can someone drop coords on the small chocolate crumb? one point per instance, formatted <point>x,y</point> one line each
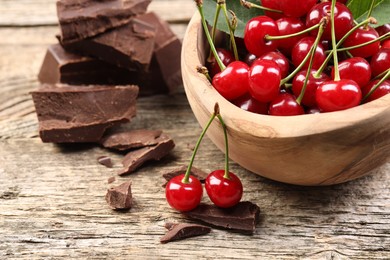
<point>241,218</point>
<point>111,179</point>
<point>105,160</point>
<point>127,140</point>
<point>179,231</point>
<point>197,173</point>
<point>120,197</point>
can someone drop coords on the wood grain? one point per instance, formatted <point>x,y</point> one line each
<point>52,202</point>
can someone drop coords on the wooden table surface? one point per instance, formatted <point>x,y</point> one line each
<point>52,197</point>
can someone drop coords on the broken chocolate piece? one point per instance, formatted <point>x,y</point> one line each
<point>197,173</point>
<point>134,159</point>
<point>105,160</point>
<point>123,141</point>
<point>181,231</point>
<point>80,19</point>
<point>69,114</point>
<point>241,218</point>
<point>129,46</point>
<point>111,179</point>
<point>120,197</point>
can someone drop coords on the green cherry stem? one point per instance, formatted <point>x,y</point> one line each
<point>385,36</point>
<point>370,11</point>
<point>334,48</point>
<point>281,37</point>
<point>382,74</point>
<point>186,178</point>
<point>231,29</point>
<point>386,76</point>
<point>214,28</point>
<point>226,175</point>
<point>199,4</point>
<point>203,70</point>
<point>249,5</point>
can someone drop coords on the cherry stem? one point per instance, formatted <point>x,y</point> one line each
<point>312,53</point>
<point>206,31</point>
<point>386,76</point>
<point>226,175</point>
<point>203,70</point>
<point>249,5</point>
<point>231,30</point>
<point>385,36</point>
<point>382,74</point>
<point>186,178</point>
<point>370,11</point>
<point>334,48</point>
<point>213,32</point>
<point>281,37</point>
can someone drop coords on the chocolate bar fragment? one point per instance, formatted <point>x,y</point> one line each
<point>135,158</point>
<point>111,179</point>
<point>197,173</point>
<point>61,66</point>
<point>106,161</point>
<point>80,19</point>
<point>69,114</point>
<point>120,197</point>
<point>179,231</point>
<point>129,46</point>
<point>123,141</point>
<point>241,218</point>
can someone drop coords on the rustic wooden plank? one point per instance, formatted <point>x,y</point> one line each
<point>43,12</point>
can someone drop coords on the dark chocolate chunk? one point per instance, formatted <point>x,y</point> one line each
<point>197,173</point>
<point>241,218</point>
<point>69,114</point>
<point>134,159</point>
<point>120,197</point>
<point>129,46</point>
<point>80,19</point>
<point>181,231</point>
<point>105,160</point>
<point>131,139</point>
<point>111,179</point>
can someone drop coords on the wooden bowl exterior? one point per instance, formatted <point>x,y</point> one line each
<point>317,149</point>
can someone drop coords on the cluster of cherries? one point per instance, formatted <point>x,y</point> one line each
<point>184,192</point>
<point>281,65</point>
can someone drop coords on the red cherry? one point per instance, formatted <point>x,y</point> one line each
<point>302,48</point>
<point>226,57</point>
<point>338,95</point>
<point>232,82</point>
<point>289,25</point>
<point>362,35</point>
<point>380,62</point>
<point>342,1</point>
<point>285,104</point>
<point>183,196</point>
<point>250,104</point>
<point>223,192</point>
<point>296,8</point>
<point>386,44</point>
<point>383,29</point>
<point>255,31</point>
<point>272,4</point>
<point>309,98</point>
<point>249,59</point>
<point>356,69</point>
<point>382,90</point>
<point>264,80</point>
<point>313,110</point>
<point>280,59</point>
<point>343,19</point>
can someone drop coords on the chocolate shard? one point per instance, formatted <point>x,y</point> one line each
<point>167,51</point>
<point>197,173</point>
<point>129,46</point>
<point>241,218</point>
<point>134,159</point>
<point>80,19</point>
<point>105,160</point>
<point>111,179</point>
<point>123,141</point>
<point>120,197</point>
<point>69,114</point>
<point>181,231</point>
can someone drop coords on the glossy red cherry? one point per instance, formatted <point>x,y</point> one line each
<point>272,4</point>
<point>383,29</point>
<point>264,80</point>
<point>386,44</point>
<point>296,8</point>
<point>250,58</point>
<point>285,104</point>
<point>302,48</point>
<point>338,95</point>
<point>250,104</point>
<point>309,98</point>
<point>356,69</point>
<point>343,19</point>
<point>382,90</point>
<point>280,59</point>
<point>254,36</point>
<point>183,196</point>
<point>223,192</point>
<point>289,25</point>
<point>226,57</point>
<point>380,62</point>
<point>312,110</point>
<point>362,35</point>
<point>232,82</point>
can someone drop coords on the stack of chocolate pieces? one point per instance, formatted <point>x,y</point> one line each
<point>109,52</point>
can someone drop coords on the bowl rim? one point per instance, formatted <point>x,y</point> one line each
<point>258,125</point>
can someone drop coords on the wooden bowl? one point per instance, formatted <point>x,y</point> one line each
<point>316,149</point>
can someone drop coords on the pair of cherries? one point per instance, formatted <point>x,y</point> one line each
<point>184,192</point>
